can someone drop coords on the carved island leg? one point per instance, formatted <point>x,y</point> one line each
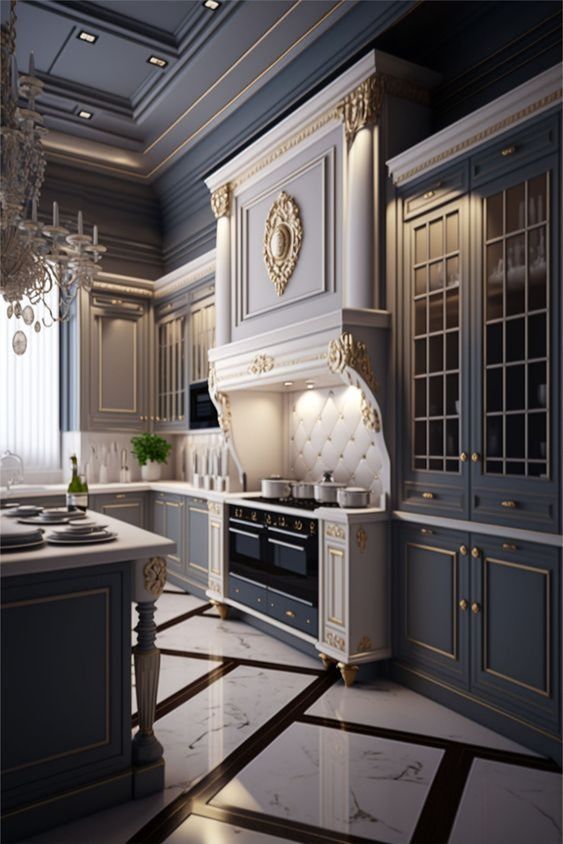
<point>146,747</point>
<point>222,609</point>
<point>348,672</point>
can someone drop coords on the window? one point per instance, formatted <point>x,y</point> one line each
<point>29,411</point>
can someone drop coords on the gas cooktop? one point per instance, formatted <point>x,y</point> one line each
<point>295,503</point>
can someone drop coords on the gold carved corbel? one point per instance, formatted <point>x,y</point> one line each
<point>362,106</point>
<point>221,201</point>
<point>346,352</point>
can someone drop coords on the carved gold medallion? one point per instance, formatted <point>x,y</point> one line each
<point>154,574</point>
<point>283,234</point>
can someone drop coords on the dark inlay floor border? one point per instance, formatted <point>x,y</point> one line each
<point>252,663</point>
<point>163,824</point>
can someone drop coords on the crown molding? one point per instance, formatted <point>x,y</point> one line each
<point>531,98</point>
<point>186,275</point>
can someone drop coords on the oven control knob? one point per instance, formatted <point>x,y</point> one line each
<point>298,524</point>
<point>281,521</point>
<point>268,519</point>
<point>238,512</point>
<point>254,516</point>
<point>312,527</point>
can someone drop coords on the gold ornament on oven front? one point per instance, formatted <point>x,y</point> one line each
<point>283,234</point>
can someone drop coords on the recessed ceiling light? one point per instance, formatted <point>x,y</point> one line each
<point>288,383</point>
<point>310,385</point>
<point>85,115</point>
<point>157,61</point>
<point>211,4</point>
<point>88,37</point>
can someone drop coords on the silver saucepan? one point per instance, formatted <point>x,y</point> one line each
<point>276,487</point>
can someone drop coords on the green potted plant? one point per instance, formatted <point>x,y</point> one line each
<point>151,451</point>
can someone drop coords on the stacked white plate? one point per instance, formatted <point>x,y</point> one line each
<point>56,516</point>
<point>83,532</point>
<point>23,511</point>
<point>15,537</point>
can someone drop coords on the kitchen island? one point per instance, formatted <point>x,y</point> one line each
<point>66,678</point>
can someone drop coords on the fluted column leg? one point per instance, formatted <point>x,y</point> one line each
<point>146,747</point>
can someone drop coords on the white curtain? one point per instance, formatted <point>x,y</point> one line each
<point>29,392</point>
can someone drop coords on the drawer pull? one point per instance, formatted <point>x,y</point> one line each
<point>428,496</point>
<point>511,505</point>
<point>475,608</point>
<point>121,495</point>
<point>463,604</point>
<point>290,613</point>
<point>259,600</point>
<point>464,457</point>
<point>508,546</point>
<point>426,531</point>
<point>463,550</point>
<point>475,457</point>
<point>475,553</point>
<point>508,151</point>
<point>429,194</point>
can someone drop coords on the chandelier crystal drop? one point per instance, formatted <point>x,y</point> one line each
<point>35,257</point>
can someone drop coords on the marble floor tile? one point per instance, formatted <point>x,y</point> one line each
<point>345,782</point>
<point>231,638</point>
<point>171,587</point>
<point>197,830</point>
<point>112,826</point>
<point>389,705</point>
<point>202,732</point>
<point>170,606</point>
<point>175,673</point>
<point>508,804</point>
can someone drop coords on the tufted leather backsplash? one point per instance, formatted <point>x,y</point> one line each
<point>326,433</point>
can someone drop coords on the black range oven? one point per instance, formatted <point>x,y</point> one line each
<point>275,550</point>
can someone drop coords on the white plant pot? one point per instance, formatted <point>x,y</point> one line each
<point>151,471</point>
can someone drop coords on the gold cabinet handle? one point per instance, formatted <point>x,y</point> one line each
<point>426,531</point>
<point>290,613</point>
<point>508,546</point>
<point>509,504</point>
<point>475,552</point>
<point>259,600</point>
<point>121,495</point>
<point>475,457</point>
<point>475,608</point>
<point>464,457</point>
<point>463,604</point>
<point>463,550</point>
<point>508,151</point>
<point>428,496</point>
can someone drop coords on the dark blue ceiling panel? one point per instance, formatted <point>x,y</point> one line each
<point>163,14</point>
<point>40,32</point>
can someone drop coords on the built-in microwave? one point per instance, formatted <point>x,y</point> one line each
<point>202,410</point>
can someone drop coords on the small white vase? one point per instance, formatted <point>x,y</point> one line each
<point>151,471</point>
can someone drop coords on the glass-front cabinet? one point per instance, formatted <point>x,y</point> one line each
<point>171,382</point>
<point>480,303</point>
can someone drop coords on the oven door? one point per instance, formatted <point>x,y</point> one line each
<point>247,556</point>
<point>294,563</point>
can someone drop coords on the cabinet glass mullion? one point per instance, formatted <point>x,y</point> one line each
<point>435,350</point>
<point>516,342</point>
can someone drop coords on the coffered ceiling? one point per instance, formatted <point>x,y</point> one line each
<point>144,117</point>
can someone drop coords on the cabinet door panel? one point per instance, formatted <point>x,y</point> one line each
<point>515,424</point>
<point>175,528</point>
<point>515,627</point>
<point>432,629</point>
<point>121,506</point>
<point>197,542</point>
<point>436,432</point>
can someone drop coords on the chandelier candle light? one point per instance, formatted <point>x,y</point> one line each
<point>35,257</point>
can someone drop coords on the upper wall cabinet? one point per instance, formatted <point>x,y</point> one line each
<point>114,362</point>
<point>481,356</point>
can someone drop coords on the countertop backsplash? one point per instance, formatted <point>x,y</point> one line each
<point>94,448</point>
<point>326,433</point>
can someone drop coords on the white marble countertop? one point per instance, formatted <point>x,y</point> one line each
<point>132,543</point>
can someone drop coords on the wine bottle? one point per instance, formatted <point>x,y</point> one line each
<point>75,498</point>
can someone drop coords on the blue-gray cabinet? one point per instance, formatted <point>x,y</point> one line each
<point>197,542</point>
<point>480,361</point>
<point>184,519</point>
<point>127,506</point>
<point>168,520</point>
<point>482,614</point>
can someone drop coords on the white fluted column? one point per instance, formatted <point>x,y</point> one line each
<point>221,204</point>
<point>360,241</point>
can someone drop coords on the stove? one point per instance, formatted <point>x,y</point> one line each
<point>294,503</point>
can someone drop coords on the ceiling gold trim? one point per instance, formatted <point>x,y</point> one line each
<point>223,76</point>
<point>245,89</point>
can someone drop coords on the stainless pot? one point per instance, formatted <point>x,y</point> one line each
<point>326,490</point>
<point>301,489</point>
<point>276,488</point>
<point>353,496</point>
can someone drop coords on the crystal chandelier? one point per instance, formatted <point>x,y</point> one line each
<point>35,257</point>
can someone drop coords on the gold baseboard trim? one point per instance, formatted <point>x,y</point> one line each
<point>479,701</point>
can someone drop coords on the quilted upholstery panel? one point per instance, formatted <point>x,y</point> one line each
<point>326,433</point>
